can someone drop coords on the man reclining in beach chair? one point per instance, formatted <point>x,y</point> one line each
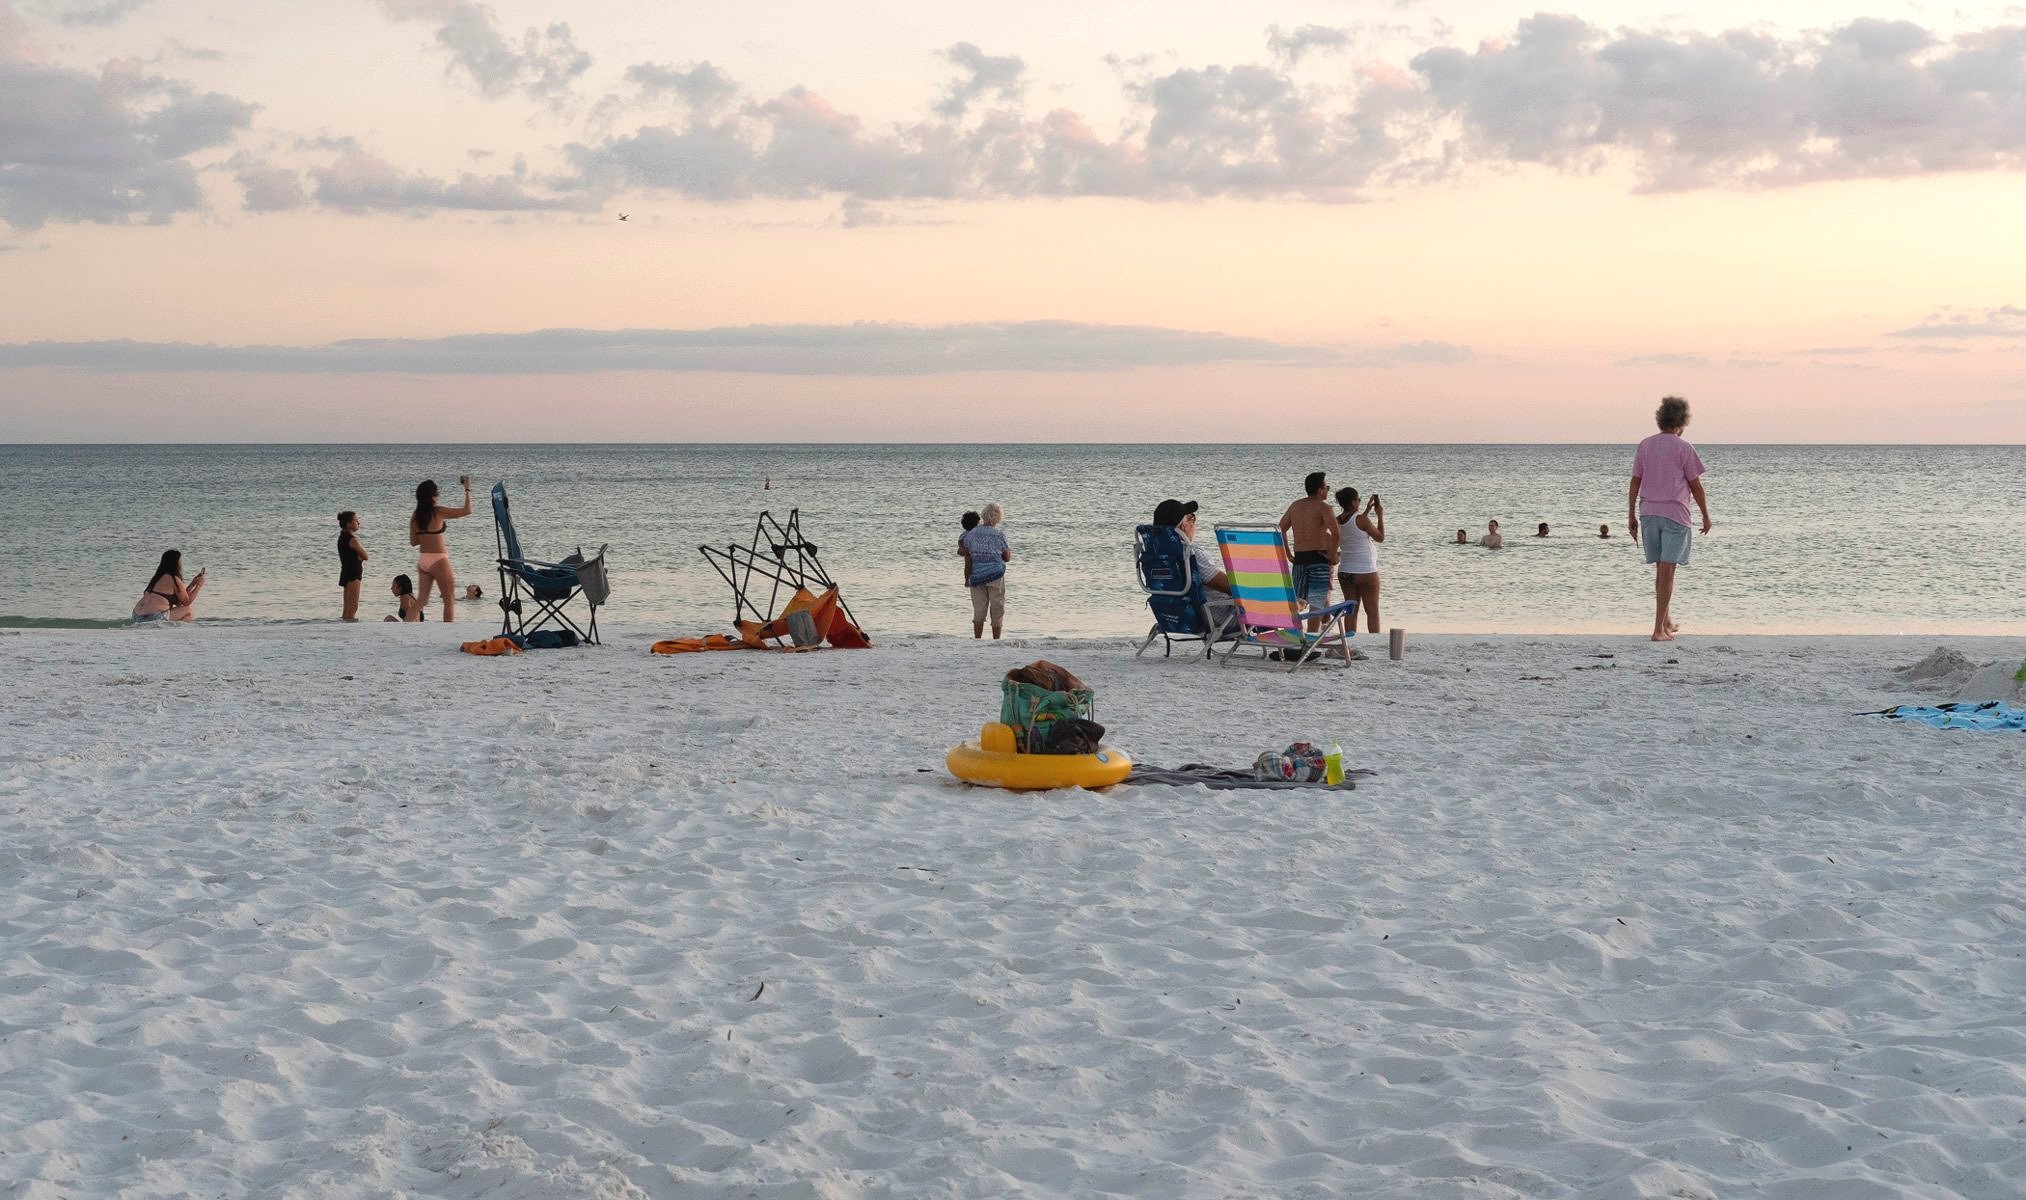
<point>1186,585</point>
<point>1269,615</point>
<point>535,594</point>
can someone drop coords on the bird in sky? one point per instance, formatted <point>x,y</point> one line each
<point>622,216</point>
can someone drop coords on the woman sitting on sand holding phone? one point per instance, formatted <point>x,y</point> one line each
<point>167,599</point>
<point>425,533</point>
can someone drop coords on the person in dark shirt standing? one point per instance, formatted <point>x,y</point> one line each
<point>351,562</point>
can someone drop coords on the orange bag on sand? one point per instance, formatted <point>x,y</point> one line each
<point>826,616</point>
<point>714,641</point>
<point>491,646</point>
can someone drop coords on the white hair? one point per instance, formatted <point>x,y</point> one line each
<point>991,513</point>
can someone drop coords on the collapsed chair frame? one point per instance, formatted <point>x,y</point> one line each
<point>777,554</point>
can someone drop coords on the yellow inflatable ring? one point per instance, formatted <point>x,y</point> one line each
<point>972,763</point>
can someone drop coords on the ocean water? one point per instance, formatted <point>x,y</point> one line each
<point>1861,539</point>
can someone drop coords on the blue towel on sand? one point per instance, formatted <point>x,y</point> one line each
<point>1989,716</point>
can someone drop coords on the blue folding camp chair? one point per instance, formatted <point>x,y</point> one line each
<point>1175,592</point>
<point>1270,613</point>
<point>534,594</point>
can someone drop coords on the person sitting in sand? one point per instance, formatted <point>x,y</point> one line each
<point>1463,537</point>
<point>425,533</point>
<point>1218,606</point>
<point>1603,531</point>
<point>167,599</point>
<point>1666,471</point>
<point>1543,532</point>
<point>1492,539</point>
<point>411,604</point>
<point>988,553</point>
<point>351,564</point>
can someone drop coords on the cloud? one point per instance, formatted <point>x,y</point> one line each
<point>857,214</point>
<point>983,75</point>
<point>2007,321</point>
<point>701,86</point>
<point>269,188</point>
<point>107,12</point>
<point>1870,99</point>
<point>1736,109</point>
<point>108,149</point>
<point>1291,46</point>
<point>545,65</point>
<point>359,182</point>
<point>1839,351</point>
<point>861,349</point>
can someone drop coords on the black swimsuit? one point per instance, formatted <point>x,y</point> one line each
<point>350,569</point>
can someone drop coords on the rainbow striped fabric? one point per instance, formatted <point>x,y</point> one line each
<point>1255,558</point>
<point>1270,614</point>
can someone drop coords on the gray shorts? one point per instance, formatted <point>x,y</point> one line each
<point>1665,540</point>
<point>989,599</point>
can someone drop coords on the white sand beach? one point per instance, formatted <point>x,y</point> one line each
<point>337,912</point>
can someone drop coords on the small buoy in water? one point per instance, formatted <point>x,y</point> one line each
<point>769,485</point>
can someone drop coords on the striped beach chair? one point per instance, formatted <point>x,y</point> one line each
<point>1269,612</point>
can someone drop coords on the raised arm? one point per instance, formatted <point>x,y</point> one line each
<point>1373,522</point>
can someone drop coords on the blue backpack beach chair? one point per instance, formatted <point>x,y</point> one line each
<point>1269,612</point>
<point>535,594</point>
<point>1174,591</point>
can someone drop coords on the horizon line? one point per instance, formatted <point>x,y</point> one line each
<point>851,444</point>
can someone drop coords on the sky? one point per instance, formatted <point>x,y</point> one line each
<point>937,220</point>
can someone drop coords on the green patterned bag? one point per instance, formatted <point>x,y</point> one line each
<point>1034,697</point>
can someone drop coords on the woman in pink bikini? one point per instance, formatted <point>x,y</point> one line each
<point>167,599</point>
<point>425,533</point>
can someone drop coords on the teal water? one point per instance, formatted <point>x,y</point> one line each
<point>1870,539</point>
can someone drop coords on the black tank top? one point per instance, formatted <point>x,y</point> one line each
<point>348,558</point>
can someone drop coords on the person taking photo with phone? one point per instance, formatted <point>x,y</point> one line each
<point>167,597</point>
<point>1358,537</point>
<point>425,533</point>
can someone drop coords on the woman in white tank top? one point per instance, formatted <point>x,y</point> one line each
<point>1358,535</point>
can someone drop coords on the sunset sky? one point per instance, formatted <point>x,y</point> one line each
<point>1343,220</point>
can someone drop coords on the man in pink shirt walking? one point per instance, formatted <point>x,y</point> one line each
<point>1665,473</point>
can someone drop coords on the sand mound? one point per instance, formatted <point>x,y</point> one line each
<point>1943,663</point>
<point>1993,681</point>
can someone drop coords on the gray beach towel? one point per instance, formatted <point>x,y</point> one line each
<point>1226,779</point>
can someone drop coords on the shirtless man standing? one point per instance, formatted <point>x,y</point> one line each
<point>1311,531</point>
